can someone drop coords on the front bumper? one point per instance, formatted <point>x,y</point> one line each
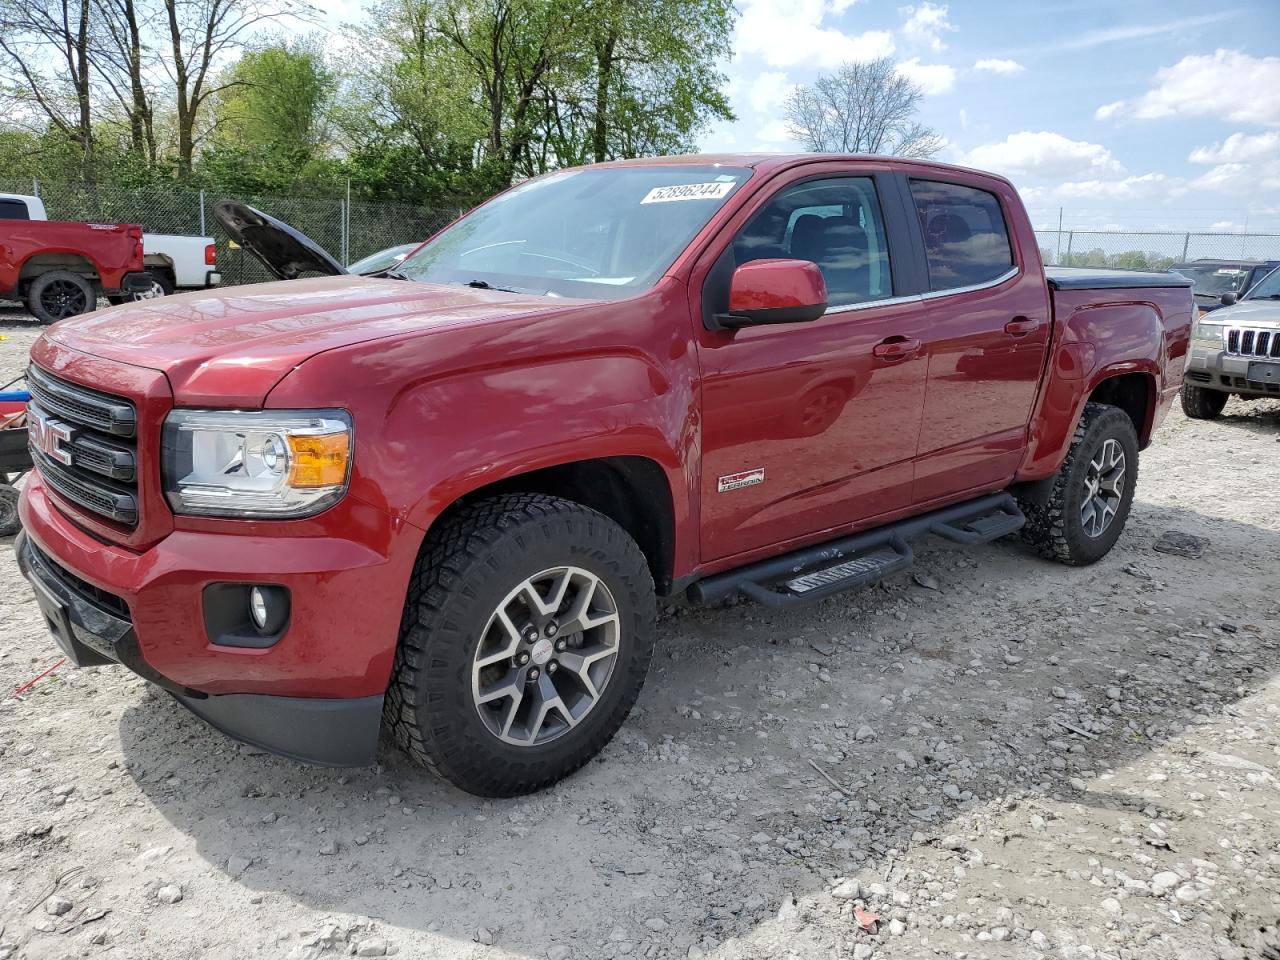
<point>1212,368</point>
<point>92,628</point>
<point>315,694</point>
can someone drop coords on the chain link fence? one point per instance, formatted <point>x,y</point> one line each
<point>349,231</point>
<point>1151,250</point>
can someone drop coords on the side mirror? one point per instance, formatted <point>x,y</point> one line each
<point>775,291</point>
<point>1229,299</point>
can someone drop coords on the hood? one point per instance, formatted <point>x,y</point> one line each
<point>283,250</point>
<point>1251,313</point>
<point>230,347</point>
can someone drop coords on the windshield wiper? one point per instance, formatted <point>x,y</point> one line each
<point>395,276</point>
<point>486,285</point>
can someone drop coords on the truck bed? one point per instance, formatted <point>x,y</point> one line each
<point>1102,278</point>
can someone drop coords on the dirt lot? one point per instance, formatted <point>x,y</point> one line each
<point>1032,761</point>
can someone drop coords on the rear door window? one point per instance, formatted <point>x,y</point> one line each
<point>965,236</point>
<point>11,209</point>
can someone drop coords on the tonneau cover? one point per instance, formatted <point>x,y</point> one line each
<point>1099,278</point>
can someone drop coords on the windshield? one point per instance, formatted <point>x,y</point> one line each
<point>597,233</point>
<point>383,259</point>
<point>1268,288</point>
<point>1214,280</point>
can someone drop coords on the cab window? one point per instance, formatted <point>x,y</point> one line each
<point>965,237</point>
<point>835,223</point>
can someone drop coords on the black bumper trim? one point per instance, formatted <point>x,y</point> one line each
<point>329,733</point>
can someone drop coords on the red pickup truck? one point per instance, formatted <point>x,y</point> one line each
<point>60,268</point>
<point>443,500</point>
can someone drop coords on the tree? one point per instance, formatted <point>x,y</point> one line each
<point>122,65</point>
<point>864,107</point>
<point>201,33</point>
<point>45,46</point>
<point>646,82</point>
<point>276,96</point>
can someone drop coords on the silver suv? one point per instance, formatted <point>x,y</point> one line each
<point>1235,350</point>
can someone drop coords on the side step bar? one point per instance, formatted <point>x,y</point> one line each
<point>862,559</point>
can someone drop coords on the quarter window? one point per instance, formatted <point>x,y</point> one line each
<point>834,223</point>
<point>965,237</point>
<point>11,209</point>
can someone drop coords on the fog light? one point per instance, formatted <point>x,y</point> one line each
<point>258,608</point>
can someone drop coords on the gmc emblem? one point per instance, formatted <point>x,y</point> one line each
<point>48,436</point>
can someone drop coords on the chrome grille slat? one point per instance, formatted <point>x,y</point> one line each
<point>1250,342</point>
<point>80,405</point>
<point>101,475</point>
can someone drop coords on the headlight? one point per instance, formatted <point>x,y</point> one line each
<point>1207,331</point>
<point>270,463</point>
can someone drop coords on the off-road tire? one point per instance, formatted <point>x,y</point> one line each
<point>64,278</point>
<point>1201,404</point>
<point>468,563</point>
<point>9,522</point>
<point>1054,527</point>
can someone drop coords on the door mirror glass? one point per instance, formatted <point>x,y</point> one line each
<point>1228,299</point>
<point>775,291</point>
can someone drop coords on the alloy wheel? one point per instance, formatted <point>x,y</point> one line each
<point>546,656</point>
<point>1104,488</point>
<point>63,298</point>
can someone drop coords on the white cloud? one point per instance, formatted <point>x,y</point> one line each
<point>1239,148</point>
<point>1244,163</point>
<point>1148,186</point>
<point>999,66</point>
<point>769,91</point>
<point>926,24</point>
<point>1145,31</point>
<point>774,135</point>
<point>1043,156</point>
<point>1225,84</point>
<point>787,33</point>
<point>934,78</point>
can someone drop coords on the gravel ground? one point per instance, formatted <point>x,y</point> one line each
<point>1031,761</point>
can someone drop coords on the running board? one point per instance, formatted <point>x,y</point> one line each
<point>862,559</point>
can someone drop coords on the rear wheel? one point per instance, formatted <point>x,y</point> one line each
<point>1092,492</point>
<point>526,639</point>
<point>1201,404</point>
<point>59,294</point>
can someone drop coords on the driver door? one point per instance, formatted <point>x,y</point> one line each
<point>811,427</point>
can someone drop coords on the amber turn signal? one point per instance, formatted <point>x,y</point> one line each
<point>319,461</point>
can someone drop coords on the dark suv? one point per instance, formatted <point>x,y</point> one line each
<point>1214,279</point>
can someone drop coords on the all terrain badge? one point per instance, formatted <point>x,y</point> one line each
<point>736,481</point>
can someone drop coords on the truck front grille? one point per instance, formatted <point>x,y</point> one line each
<point>1245,342</point>
<point>96,466</point>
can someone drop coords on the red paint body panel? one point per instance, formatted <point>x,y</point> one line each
<point>113,249</point>
<point>452,389</point>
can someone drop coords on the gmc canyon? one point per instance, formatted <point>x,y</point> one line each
<point>442,501</point>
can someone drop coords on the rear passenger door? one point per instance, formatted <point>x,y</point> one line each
<point>987,313</point>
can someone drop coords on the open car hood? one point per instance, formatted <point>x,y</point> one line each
<point>284,251</point>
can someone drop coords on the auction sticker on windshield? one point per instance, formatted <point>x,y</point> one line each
<point>688,191</point>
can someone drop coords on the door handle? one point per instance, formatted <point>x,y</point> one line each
<point>895,349</point>
<point>1021,326</point>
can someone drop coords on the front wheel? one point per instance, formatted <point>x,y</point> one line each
<point>1201,404</point>
<point>1092,492</point>
<point>526,639</point>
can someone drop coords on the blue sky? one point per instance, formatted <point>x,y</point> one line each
<point>1127,115</point>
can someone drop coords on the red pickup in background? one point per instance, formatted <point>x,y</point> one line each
<point>60,268</point>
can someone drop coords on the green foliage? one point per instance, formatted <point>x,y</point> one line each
<point>439,102</point>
